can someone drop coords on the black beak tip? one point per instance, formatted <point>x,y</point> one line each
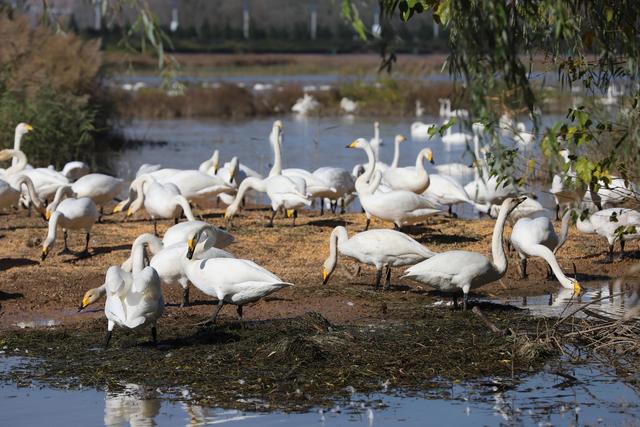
<point>189,254</point>
<point>432,162</point>
<point>80,309</point>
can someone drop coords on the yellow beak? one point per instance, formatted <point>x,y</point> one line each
<point>117,209</point>
<point>85,302</point>
<point>576,288</point>
<point>192,244</point>
<point>289,213</point>
<point>354,144</point>
<point>47,215</point>
<point>430,157</point>
<point>129,212</point>
<point>29,128</point>
<point>324,275</point>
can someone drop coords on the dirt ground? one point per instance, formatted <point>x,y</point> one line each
<point>35,291</point>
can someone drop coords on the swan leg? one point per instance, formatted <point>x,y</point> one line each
<point>176,220</point>
<point>334,206</point>
<point>558,211</point>
<point>621,249</point>
<point>321,207</point>
<point>465,301</point>
<point>387,284</point>
<point>214,316</point>
<point>154,334</point>
<point>273,215</point>
<point>86,244</point>
<point>65,250</point>
<point>107,339</point>
<point>610,257</point>
<point>455,301</point>
<point>342,207</point>
<point>366,227</point>
<point>378,278</point>
<point>155,227</point>
<point>239,311</point>
<point>185,297</point>
<point>101,214</point>
<point>293,217</point>
<point>523,268</point>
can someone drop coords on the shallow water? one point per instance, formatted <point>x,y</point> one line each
<point>546,398</point>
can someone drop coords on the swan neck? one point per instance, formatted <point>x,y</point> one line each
<point>53,229</point>
<point>247,184</point>
<point>396,154</point>
<point>137,257</point>
<point>276,140</point>
<point>564,230</point>
<point>31,190</point>
<point>497,249</point>
<point>186,208</point>
<point>18,162</point>
<point>547,255</point>
<point>17,139</point>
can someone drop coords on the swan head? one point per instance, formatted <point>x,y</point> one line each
<point>511,203</point>
<point>400,138</point>
<point>570,283</point>
<point>428,154</point>
<point>358,143</point>
<point>121,206</point>
<point>327,269</point>
<point>192,241</point>
<point>23,129</point>
<point>46,248</point>
<point>90,297</point>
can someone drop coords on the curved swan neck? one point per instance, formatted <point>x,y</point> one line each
<point>31,190</point>
<point>422,155</point>
<point>18,162</point>
<point>276,140</point>
<point>247,184</point>
<point>61,194</point>
<point>137,257</point>
<point>17,139</point>
<point>564,230</point>
<point>544,252</point>
<point>52,229</point>
<point>497,249</point>
<point>186,207</point>
<point>375,182</point>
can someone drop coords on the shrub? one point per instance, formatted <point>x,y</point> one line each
<point>51,81</point>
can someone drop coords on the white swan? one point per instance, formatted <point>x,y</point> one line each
<point>379,165</point>
<point>339,183</point>
<point>98,187</point>
<point>464,270</point>
<point>180,232</point>
<point>21,130</point>
<point>161,201</point>
<point>10,193</point>
<point>75,170</point>
<point>421,131</point>
<point>305,105</point>
<point>166,260</point>
<point>455,138</point>
<point>379,248</point>
<point>446,191</point>
<point>70,214</point>
<point>530,208</point>
<point>614,224</point>
<point>133,299</point>
<point>536,237</point>
<point>376,141</point>
<point>212,164</point>
<point>616,193</point>
<point>232,281</point>
<point>400,206</point>
<point>45,181</point>
<point>565,188</point>
<point>282,191</point>
<point>458,171</point>
<point>414,179</point>
<point>445,110</point>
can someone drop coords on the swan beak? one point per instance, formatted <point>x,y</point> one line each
<point>402,138</point>
<point>85,304</point>
<point>29,128</point>
<point>354,144</point>
<point>215,168</point>
<point>117,209</point>
<point>289,213</point>
<point>191,248</point>
<point>47,215</point>
<point>45,252</point>
<point>576,288</point>
<point>129,212</point>
<point>430,158</point>
<point>325,277</point>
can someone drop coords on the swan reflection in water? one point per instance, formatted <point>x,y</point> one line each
<point>126,407</point>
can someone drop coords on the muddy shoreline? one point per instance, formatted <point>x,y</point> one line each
<point>298,348</point>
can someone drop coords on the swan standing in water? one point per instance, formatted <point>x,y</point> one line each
<point>380,248</point>
<point>421,131</point>
<point>414,179</point>
<point>614,224</point>
<point>70,214</point>
<point>464,270</point>
<point>399,206</point>
<point>162,201</point>
<point>536,237</point>
<point>231,280</point>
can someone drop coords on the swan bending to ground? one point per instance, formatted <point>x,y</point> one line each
<point>10,193</point>
<point>445,190</point>
<point>70,214</point>
<point>380,248</point>
<point>536,237</point>
<point>231,280</point>
<point>464,270</point>
<point>45,181</point>
<point>180,232</point>
<point>614,224</point>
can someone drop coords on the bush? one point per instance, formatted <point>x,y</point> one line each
<point>51,81</point>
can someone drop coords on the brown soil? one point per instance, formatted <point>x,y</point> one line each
<point>31,290</point>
